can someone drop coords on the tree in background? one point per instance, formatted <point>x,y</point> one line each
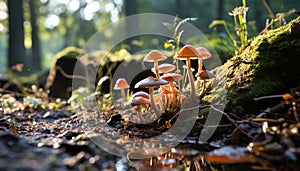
<point>16,48</point>
<point>35,45</point>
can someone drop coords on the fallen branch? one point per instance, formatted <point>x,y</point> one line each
<point>268,97</point>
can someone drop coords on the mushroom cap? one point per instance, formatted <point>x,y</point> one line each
<point>121,83</point>
<point>150,82</point>
<point>204,74</point>
<point>139,101</point>
<point>165,68</point>
<point>141,94</point>
<point>204,53</point>
<point>154,55</point>
<point>171,77</point>
<point>188,51</point>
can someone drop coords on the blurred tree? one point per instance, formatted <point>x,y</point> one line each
<point>16,48</point>
<point>35,45</point>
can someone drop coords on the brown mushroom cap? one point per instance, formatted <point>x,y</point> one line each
<point>171,77</point>
<point>165,68</point>
<point>188,51</point>
<point>204,74</point>
<point>121,83</point>
<point>204,53</point>
<point>154,55</point>
<point>150,82</point>
<point>141,94</point>
<point>139,101</point>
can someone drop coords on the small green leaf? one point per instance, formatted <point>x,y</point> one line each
<point>9,104</point>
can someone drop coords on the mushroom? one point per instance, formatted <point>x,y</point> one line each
<point>155,56</point>
<point>187,53</point>
<point>204,54</point>
<point>165,68</point>
<point>150,83</point>
<point>204,75</point>
<point>141,94</point>
<point>140,102</point>
<point>171,78</point>
<point>121,84</point>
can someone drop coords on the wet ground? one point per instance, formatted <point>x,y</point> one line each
<point>39,134</point>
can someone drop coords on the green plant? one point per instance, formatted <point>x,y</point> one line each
<point>240,26</point>
<point>174,42</point>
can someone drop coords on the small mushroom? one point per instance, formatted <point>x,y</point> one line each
<point>204,54</point>
<point>165,68</point>
<point>141,103</point>
<point>150,83</point>
<point>171,78</point>
<point>141,94</point>
<point>155,56</point>
<point>204,75</point>
<point>121,84</point>
<point>187,53</point>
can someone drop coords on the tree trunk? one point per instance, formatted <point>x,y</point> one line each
<point>16,47</point>
<point>36,54</point>
<point>131,25</point>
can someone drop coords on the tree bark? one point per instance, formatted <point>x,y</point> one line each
<point>35,48</point>
<point>16,47</point>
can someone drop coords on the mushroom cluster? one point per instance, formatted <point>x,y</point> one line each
<point>164,95</point>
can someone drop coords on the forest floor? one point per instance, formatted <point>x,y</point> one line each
<point>37,135</point>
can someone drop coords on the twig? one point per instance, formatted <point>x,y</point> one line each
<point>266,120</point>
<point>268,97</point>
<point>268,9</point>
<point>232,121</point>
<point>223,113</point>
<point>68,75</point>
<point>295,112</point>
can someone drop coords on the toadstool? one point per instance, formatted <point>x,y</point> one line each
<point>187,53</point>
<point>171,78</point>
<point>165,68</point>
<point>155,56</point>
<point>121,84</point>
<point>204,54</point>
<point>140,102</point>
<point>150,83</point>
<point>204,75</point>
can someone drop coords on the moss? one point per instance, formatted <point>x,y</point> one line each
<point>269,65</point>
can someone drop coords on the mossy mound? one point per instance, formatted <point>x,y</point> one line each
<point>269,65</point>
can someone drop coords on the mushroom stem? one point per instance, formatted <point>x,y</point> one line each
<point>156,68</point>
<point>153,105</point>
<point>123,94</point>
<point>203,88</point>
<point>200,65</point>
<point>190,75</point>
<point>173,95</point>
<point>140,111</point>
